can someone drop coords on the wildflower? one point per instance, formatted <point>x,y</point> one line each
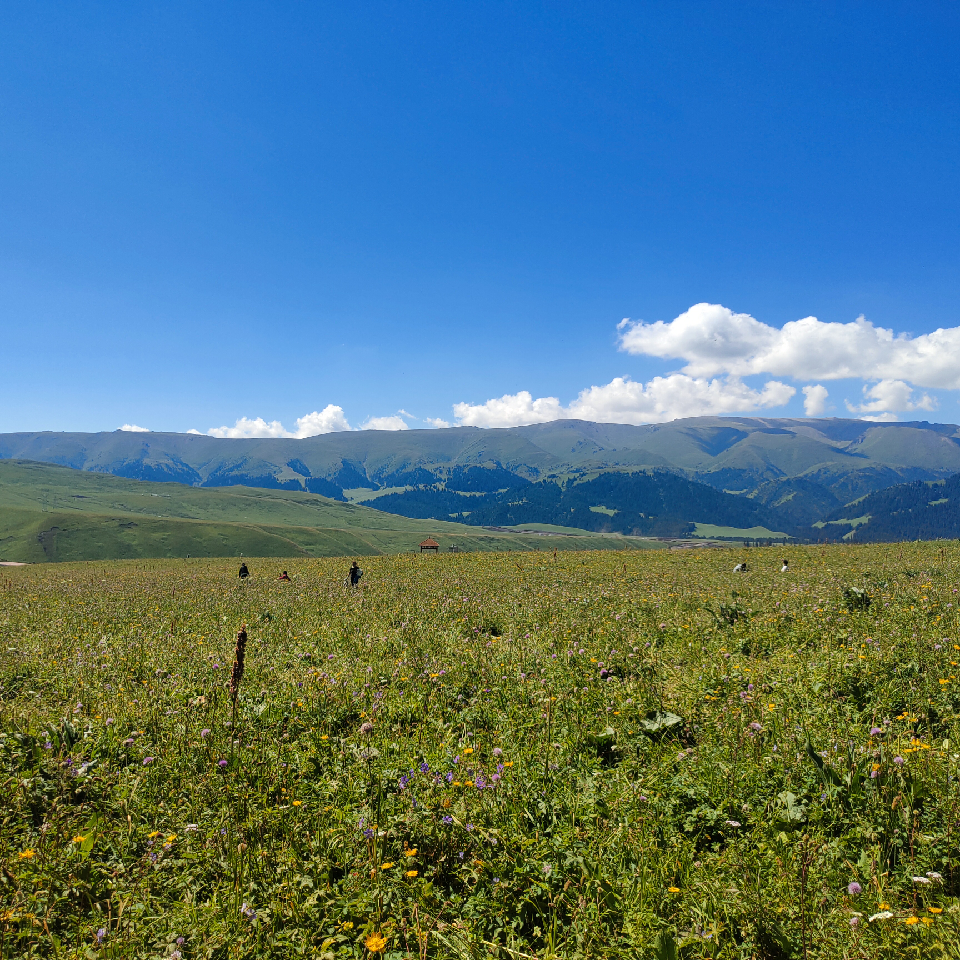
<point>497,752</point>
<point>101,935</point>
<point>755,726</point>
<point>147,761</point>
<point>935,909</point>
<point>853,888</point>
<point>911,920</point>
<point>221,763</point>
<point>933,875</point>
<point>875,731</point>
<point>375,942</point>
<point>366,728</point>
<point>27,855</point>
<point>732,823</point>
<point>921,879</point>
<point>79,839</point>
<point>204,733</point>
<point>410,853</point>
<point>448,820</point>
<point>899,761</point>
<point>411,873</point>
<point>248,912</point>
<point>673,889</point>
<point>385,866</point>
<point>297,803</point>
<point>882,915</point>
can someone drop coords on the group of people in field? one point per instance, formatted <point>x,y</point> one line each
<point>744,567</point>
<point>354,574</point>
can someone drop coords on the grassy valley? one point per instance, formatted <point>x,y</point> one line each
<point>56,513</point>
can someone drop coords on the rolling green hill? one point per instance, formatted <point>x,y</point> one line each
<point>908,511</point>
<point>52,513</point>
<point>800,470</point>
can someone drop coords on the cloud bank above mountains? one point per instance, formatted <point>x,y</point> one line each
<point>718,349</point>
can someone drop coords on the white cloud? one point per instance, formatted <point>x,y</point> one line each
<point>133,428</point>
<point>385,423</point>
<point>437,422</point>
<point>713,340</point>
<point>626,401</point>
<point>888,397</point>
<point>815,400</point>
<point>195,431</point>
<point>330,419</point>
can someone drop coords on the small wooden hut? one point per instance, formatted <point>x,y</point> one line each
<point>429,545</point>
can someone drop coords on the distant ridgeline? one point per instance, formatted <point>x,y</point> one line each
<point>777,475</point>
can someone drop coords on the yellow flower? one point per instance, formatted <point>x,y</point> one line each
<point>297,803</point>
<point>156,833</point>
<point>931,909</point>
<point>324,737</point>
<point>375,943</point>
<point>27,855</point>
<point>347,925</point>
<point>468,750</point>
<point>385,866</point>
<point>411,873</point>
<point>411,853</point>
<point>79,839</point>
<point>673,889</point>
<point>910,920</point>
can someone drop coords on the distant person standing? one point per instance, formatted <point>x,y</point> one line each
<point>786,567</point>
<point>284,578</point>
<point>355,574</point>
<point>244,572</point>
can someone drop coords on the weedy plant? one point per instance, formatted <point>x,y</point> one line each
<point>475,756</point>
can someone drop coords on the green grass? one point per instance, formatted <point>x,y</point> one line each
<point>594,756</point>
<point>747,533</point>
<point>51,513</point>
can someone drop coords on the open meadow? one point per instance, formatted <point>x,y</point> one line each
<point>631,754</point>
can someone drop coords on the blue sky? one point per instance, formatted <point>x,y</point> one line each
<point>410,213</point>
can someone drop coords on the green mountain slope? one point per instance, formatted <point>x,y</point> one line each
<point>844,459</point>
<point>907,511</point>
<point>51,513</point>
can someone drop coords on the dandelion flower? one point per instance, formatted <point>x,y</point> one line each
<point>935,909</point>
<point>411,873</point>
<point>297,803</point>
<point>673,889</point>
<point>375,943</point>
<point>385,866</point>
<point>27,855</point>
<point>411,853</point>
<point>912,920</point>
<point>79,839</point>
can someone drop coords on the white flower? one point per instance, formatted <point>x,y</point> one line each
<point>731,823</point>
<point>882,915</point>
<point>920,880</point>
<point>933,875</point>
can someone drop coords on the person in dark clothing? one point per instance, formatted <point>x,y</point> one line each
<point>284,578</point>
<point>355,574</point>
<point>244,572</point>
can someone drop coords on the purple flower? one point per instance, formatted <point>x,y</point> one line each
<point>853,888</point>
<point>497,752</point>
<point>874,731</point>
<point>205,732</point>
<point>221,763</point>
<point>128,742</point>
<point>448,819</point>
<point>147,761</point>
<point>101,935</point>
<point>899,761</point>
<point>755,726</point>
<point>424,767</point>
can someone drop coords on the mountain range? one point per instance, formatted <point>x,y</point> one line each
<point>779,476</point>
